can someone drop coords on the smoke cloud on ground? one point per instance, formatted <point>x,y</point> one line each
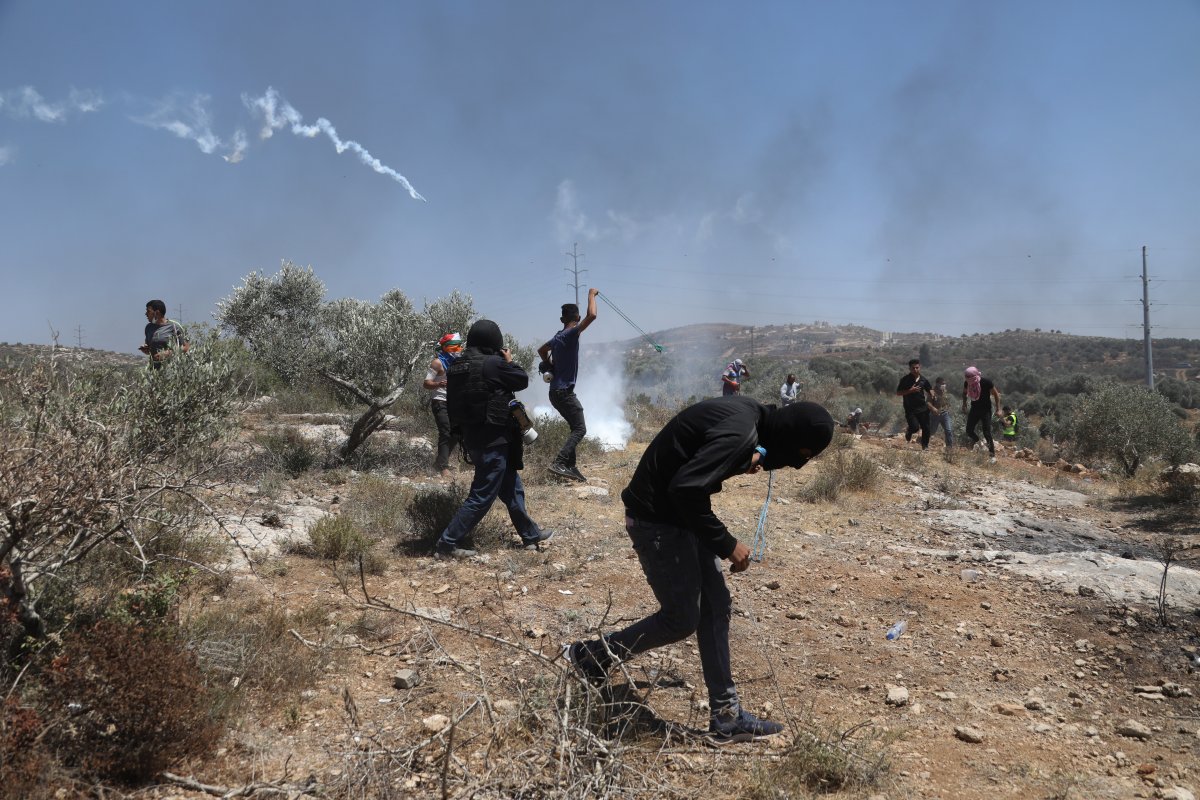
<point>601,390</point>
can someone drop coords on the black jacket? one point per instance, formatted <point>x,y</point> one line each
<point>507,376</point>
<point>687,461</point>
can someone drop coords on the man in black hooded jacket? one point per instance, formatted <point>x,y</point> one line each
<point>479,388</point>
<point>680,542</point>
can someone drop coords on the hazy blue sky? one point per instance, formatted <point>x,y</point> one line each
<point>944,166</point>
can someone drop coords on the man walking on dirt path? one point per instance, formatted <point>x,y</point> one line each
<point>913,389</point>
<point>561,354</point>
<point>479,389</point>
<point>680,542</point>
<point>981,392</point>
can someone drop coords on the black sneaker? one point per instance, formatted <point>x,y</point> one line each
<point>449,553</point>
<point>725,727</point>
<point>562,471</point>
<point>580,655</point>
<point>577,475</point>
<point>534,544</point>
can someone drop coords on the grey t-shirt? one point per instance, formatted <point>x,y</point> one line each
<point>163,336</point>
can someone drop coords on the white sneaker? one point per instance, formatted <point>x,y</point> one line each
<point>992,460</point>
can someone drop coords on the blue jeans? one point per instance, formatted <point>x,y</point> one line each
<point>494,477</point>
<point>942,419</point>
<point>566,403</point>
<point>687,582</point>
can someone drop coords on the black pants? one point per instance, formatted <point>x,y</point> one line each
<point>975,416</point>
<point>918,420</point>
<point>566,403</point>
<point>447,437</point>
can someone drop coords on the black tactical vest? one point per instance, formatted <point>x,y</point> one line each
<point>470,401</point>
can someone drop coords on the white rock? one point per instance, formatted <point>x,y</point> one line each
<point>896,695</point>
<point>968,734</point>
<point>1133,730</point>
<point>436,723</point>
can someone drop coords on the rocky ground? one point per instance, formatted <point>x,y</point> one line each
<point>1032,665</point>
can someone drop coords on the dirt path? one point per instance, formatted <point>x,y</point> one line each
<point>1027,599</point>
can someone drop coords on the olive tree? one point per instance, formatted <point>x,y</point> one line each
<point>1127,424</point>
<point>365,350</point>
<point>95,463</point>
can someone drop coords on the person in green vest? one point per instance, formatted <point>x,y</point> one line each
<point>1009,422</point>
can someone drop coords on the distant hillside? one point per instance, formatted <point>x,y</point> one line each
<point>1042,351</point>
<point>19,354</point>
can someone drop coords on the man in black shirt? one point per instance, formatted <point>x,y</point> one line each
<point>479,389</point>
<point>680,542</point>
<point>913,389</point>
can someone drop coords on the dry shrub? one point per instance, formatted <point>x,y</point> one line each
<point>854,472</point>
<point>24,763</point>
<point>126,702</point>
<point>289,452</point>
<point>251,647</point>
<point>430,511</point>
<point>337,538</point>
<point>552,434</point>
<point>823,761</point>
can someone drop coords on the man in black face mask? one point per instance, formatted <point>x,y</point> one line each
<point>479,388</point>
<point>680,542</point>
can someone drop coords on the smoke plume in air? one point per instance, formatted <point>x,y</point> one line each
<point>27,103</point>
<point>277,113</point>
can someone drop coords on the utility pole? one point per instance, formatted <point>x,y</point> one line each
<point>1146,321</point>
<point>574,269</point>
<point>751,341</point>
<point>79,336</point>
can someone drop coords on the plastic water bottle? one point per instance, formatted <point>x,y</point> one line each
<point>897,630</point>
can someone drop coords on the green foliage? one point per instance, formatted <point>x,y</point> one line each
<point>430,511</point>
<point>1128,424</point>
<point>290,452</point>
<point>552,435</point>
<point>369,352</point>
<point>842,472</point>
<point>337,538</point>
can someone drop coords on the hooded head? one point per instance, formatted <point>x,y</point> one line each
<point>485,336</point>
<point>794,434</point>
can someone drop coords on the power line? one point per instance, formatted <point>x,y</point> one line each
<point>574,269</point>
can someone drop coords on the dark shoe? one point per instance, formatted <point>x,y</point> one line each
<point>533,544</point>
<point>449,553</point>
<point>577,475</point>
<point>580,656</point>
<point>562,471</point>
<point>743,726</point>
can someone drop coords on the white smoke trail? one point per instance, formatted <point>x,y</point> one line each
<point>186,119</point>
<point>5,155</point>
<point>278,113</point>
<point>26,103</point>
<point>601,392</point>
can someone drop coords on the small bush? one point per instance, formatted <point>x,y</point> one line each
<point>336,538</point>
<point>126,702</point>
<point>253,644</point>
<point>552,434</point>
<point>822,762</point>
<point>291,453</point>
<point>854,472</point>
<point>377,507</point>
<point>430,511</point>
<point>24,761</point>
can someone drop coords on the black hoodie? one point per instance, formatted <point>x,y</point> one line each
<point>712,441</point>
